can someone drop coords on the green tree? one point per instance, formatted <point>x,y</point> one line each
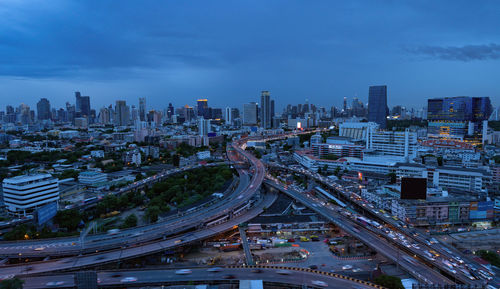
<point>392,176</point>
<point>152,214</point>
<point>68,219</point>
<point>390,282</point>
<point>14,283</point>
<point>130,221</point>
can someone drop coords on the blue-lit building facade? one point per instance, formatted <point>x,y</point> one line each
<point>457,117</point>
<point>377,105</point>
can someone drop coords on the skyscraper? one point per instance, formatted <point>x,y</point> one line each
<point>43,109</point>
<point>228,115</point>
<point>142,108</point>
<point>377,105</point>
<point>121,113</point>
<point>272,110</point>
<point>203,126</point>
<point>250,113</point>
<point>265,109</point>
<point>82,104</point>
<point>202,107</point>
<point>457,116</point>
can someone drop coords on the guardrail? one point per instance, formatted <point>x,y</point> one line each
<point>334,275</point>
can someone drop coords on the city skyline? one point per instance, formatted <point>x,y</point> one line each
<point>315,51</point>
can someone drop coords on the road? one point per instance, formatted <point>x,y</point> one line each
<point>161,277</point>
<point>72,245</point>
<point>379,244</point>
<point>445,258</point>
<point>227,208</point>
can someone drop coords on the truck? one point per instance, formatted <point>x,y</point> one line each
<point>231,247</point>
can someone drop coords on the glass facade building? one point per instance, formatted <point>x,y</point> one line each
<point>377,105</point>
<point>457,116</point>
<point>461,108</point>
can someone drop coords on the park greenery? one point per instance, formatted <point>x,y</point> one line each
<point>177,191</point>
<point>14,283</point>
<point>185,189</point>
<point>389,282</point>
<point>490,256</point>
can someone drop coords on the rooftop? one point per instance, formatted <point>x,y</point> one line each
<point>26,178</point>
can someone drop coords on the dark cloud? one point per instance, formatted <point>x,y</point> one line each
<point>463,53</point>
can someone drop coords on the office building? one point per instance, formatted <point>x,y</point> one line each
<point>395,143</point>
<point>142,109</point>
<point>82,104</point>
<point>202,107</point>
<point>92,177</point>
<point>228,115</point>
<point>203,126</point>
<point>265,109</point>
<point>23,194</point>
<point>457,117</point>
<point>121,113</point>
<point>43,109</point>
<point>356,130</point>
<point>377,105</point>
<point>250,113</point>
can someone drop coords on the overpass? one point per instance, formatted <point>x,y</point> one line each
<point>416,269</point>
<point>444,252</point>
<point>287,277</point>
<point>239,208</point>
<point>235,203</point>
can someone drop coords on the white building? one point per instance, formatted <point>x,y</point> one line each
<point>203,126</point>
<point>203,155</point>
<point>97,154</point>
<point>132,157</point>
<point>92,177</point>
<point>356,130</point>
<point>250,113</point>
<point>464,179</point>
<point>396,143</point>
<point>22,194</point>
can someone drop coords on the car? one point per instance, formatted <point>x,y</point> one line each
<point>39,248</point>
<point>215,269</point>
<point>319,283</point>
<point>313,267</point>
<point>55,283</point>
<point>229,276</point>
<point>256,270</point>
<point>116,275</point>
<point>346,267</point>
<point>356,270</point>
<point>128,279</point>
<point>283,272</point>
<point>183,272</point>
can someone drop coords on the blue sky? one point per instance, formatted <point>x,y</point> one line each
<point>228,51</point>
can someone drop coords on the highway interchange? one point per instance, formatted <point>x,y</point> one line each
<point>161,277</point>
<point>413,242</point>
<point>146,240</point>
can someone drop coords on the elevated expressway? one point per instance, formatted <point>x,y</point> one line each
<point>240,207</point>
<point>444,252</point>
<point>297,278</point>
<point>412,266</point>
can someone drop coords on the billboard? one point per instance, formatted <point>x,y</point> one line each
<point>45,213</point>
<point>413,188</point>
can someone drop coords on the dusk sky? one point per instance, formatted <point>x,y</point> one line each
<point>228,51</point>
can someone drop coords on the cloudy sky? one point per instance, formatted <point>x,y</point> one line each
<point>228,51</point>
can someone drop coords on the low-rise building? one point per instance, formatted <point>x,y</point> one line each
<point>92,177</point>
<point>132,157</point>
<point>25,193</point>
